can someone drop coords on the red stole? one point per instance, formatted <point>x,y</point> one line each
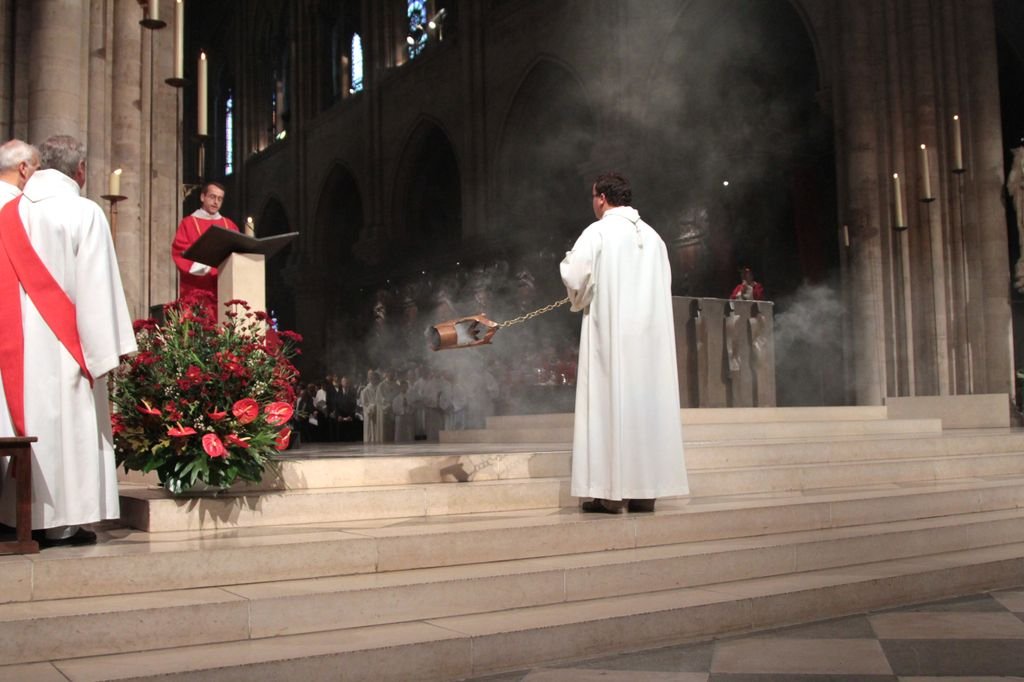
<point>20,264</point>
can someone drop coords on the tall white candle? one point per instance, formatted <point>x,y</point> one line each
<point>958,147</point>
<point>846,236</point>
<point>153,10</point>
<point>201,128</point>
<point>179,39</point>
<point>926,175</point>
<point>250,227</point>
<point>898,200</point>
<point>114,186</point>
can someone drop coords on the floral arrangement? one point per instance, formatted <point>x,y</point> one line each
<point>203,402</point>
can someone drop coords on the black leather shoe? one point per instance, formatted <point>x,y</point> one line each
<point>597,505</point>
<point>80,538</point>
<point>641,505</point>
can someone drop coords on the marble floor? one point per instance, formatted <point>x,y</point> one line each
<point>978,638</point>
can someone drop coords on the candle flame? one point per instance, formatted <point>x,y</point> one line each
<point>922,147</point>
<point>202,55</point>
<point>896,175</point>
<point>956,117</point>
<point>117,172</point>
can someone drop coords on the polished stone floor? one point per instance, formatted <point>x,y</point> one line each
<point>978,638</point>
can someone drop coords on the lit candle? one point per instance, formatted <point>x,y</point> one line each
<point>926,175</point>
<point>958,147</point>
<point>898,200</point>
<point>250,226</point>
<point>153,10</point>
<point>114,186</point>
<point>201,94</point>
<point>846,236</point>
<point>179,39</point>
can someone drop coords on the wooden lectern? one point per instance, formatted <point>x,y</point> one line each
<point>241,264</point>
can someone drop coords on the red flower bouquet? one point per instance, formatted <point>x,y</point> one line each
<point>201,401</point>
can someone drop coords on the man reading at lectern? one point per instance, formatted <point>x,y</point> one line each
<point>197,276</point>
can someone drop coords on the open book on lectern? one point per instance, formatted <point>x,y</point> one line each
<point>217,243</point>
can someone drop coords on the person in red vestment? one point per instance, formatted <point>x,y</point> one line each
<point>748,289</point>
<point>192,275</point>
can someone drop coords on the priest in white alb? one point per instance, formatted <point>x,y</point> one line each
<point>627,445</point>
<point>66,326</point>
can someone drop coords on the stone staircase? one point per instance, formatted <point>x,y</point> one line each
<point>378,568</point>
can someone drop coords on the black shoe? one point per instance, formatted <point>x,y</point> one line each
<point>641,505</point>
<point>80,538</point>
<point>597,505</point>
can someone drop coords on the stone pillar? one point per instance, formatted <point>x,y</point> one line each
<point>856,130</point>
<point>55,69</point>
<point>163,211</point>
<point>6,69</point>
<point>992,360</point>
<point>126,149</point>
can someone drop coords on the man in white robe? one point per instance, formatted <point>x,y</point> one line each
<point>18,161</point>
<point>627,442</point>
<point>64,401</point>
<point>368,401</point>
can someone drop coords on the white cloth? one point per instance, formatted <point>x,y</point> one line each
<point>74,478</point>
<point>405,418</point>
<point>482,390</point>
<point>7,192</point>
<point>386,392</point>
<point>627,440</point>
<point>371,419</point>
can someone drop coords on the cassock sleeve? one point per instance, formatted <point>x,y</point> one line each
<point>181,242</point>
<point>577,270</point>
<point>104,324</point>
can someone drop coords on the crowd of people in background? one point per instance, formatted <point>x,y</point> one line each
<point>417,402</point>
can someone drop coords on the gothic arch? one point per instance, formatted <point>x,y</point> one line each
<point>272,220</point>
<point>428,190</point>
<point>548,132</point>
<point>338,221</point>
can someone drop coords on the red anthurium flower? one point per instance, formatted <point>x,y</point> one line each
<point>283,437</point>
<point>232,439</point>
<point>146,408</point>
<point>217,415</point>
<point>181,431</point>
<point>213,446</point>
<point>279,413</point>
<point>245,410</point>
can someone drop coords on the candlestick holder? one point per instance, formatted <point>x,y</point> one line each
<point>114,200</point>
<point>927,200</point>
<point>176,82</point>
<point>153,24</point>
<point>899,228</point>
<point>959,171</point>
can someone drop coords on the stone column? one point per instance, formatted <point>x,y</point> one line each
<point>986,220</point>
<point>6,69</point>
<point>126,149</point>
<point>55,74</point>
<point>858,139</point>
<point>164,192</point>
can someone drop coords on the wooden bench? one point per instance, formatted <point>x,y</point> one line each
<point>20,452</point>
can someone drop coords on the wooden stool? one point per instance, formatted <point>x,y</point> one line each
<point>20,452</point>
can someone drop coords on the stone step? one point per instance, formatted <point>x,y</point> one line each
<point>811,476</point>
<point>131,562</point>
<point>715,431</point>
<point>339,472</point>
<point>326,470</point>
<point>154,510</point>
<point>712,415</point>
<point>837,449</point>
<point>41,631</point>
<point>458,646</point>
